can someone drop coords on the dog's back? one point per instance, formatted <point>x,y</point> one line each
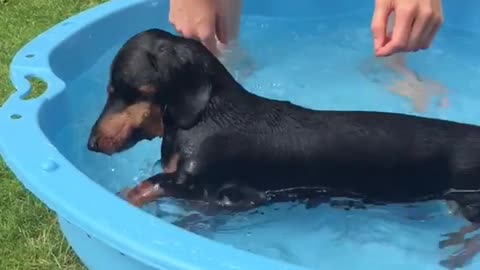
<point>272,144</point>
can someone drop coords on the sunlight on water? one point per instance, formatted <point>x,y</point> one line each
<point>324,65</point>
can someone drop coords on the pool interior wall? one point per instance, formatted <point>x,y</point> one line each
<point>65,118</point>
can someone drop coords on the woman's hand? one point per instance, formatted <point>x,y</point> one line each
<point>212,22</point>
<point>416,23</point>
<point>195,19</point>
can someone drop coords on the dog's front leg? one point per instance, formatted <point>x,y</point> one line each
<point>159,186</point>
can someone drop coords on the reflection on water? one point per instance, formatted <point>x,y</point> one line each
<point>393,74</point>
<point>408,235</point>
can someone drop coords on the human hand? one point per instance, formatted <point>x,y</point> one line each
<point>415,26</point>
<point>212,22</point>
<point>195,19</point>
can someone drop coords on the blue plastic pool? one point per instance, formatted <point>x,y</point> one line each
<point>310,52</point>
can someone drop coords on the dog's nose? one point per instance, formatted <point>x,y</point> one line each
<point>93,144</point>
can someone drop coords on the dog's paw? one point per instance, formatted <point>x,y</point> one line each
<point>142,194</point>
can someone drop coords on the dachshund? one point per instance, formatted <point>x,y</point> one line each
<point>224,144</point>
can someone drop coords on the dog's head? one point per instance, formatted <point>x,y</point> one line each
<point>154,73</point>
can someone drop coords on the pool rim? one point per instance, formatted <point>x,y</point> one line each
<point>43,170</point>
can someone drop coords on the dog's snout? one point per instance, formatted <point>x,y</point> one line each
<point>93,144</point>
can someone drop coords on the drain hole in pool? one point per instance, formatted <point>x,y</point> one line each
<point>37,88</point>
<point>29,55</point>
<point>15,116</point>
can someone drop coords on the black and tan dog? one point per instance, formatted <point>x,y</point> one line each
<point>222,143</point>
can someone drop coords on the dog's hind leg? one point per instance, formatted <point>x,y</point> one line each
<point>458,238</point>
<point>464,186</point>
<point>465,193</point>
<point>469,206</point>
<point>470,249</point>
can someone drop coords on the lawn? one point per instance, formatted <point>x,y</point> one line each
<point>30,237</point>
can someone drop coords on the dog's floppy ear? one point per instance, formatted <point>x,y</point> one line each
<point>187,106</point>
<point>185,74</point>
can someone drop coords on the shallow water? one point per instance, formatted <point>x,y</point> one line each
<point>320,64</point>
<point>328,237</point>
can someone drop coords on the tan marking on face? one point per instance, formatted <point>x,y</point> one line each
<point>152,122</point>
<point>115,129</point>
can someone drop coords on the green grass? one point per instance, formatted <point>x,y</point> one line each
<point>29,234</point>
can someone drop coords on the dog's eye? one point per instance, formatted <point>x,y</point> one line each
<point>126,94</point>
<point>130,97</point>
<point>147,90</point>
